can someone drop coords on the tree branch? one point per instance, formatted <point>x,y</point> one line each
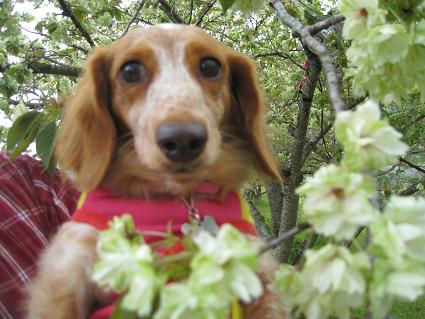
<point>30,105</point>
<point>325,24</point>
<point>312,144</point>
<point>317,48</point>
<point>260,223</point>
<point>420,169</point>
<point>307,244</point>
<point>204,12</point>
<point>412,189</point>
<point>85,51</point>
<point>136,13</point>
<point>191,11</point>
<point>170,12</point>
<point>67,12</point>
<point>289,234</point>
<point>275,196</point>
<point>409,125</point>
<point>281,55</point>
<point>42,68</point>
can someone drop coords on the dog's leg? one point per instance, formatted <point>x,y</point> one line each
<point>268,305</point>
<point>62,288</point>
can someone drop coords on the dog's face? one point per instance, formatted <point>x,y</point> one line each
<point>162,109</point>
<point>170,88</point>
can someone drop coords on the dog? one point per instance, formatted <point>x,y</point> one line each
<point>155,114</point>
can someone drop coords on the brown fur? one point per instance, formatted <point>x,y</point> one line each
<point>108,139</point>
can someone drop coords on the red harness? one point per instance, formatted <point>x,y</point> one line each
<point>98,207</point>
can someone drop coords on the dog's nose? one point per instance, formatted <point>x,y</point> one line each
<point>182,142</point>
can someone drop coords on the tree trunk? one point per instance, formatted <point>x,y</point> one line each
<point>290,199</point>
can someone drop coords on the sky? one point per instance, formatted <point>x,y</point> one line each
<point>27,6</point>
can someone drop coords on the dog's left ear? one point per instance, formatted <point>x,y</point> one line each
<point>250,108</point>
<point>86,141</point>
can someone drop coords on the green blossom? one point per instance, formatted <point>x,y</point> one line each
<point>222,271</point>
<point>126,265</point>
<point>337,201</point>
<point>368,141</point>
<point>385,55</point>
<point>405,281</point>
<point>401,232</point>
<point>390,43</point>
<point>179,301</point>
<point>227,260</point>
<point>331,283</point>
<point>407,214</point>
<point>361,16</point>
<point>398,244</point>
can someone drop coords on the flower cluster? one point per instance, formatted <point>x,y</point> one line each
<point>331,283</point>
<point>398,246</point>
<point>222,271</point>
<point>337,202</point>
<point>126,263</point>
<point>386,54</point>
<point>368,141</point>
<point>338,198</point>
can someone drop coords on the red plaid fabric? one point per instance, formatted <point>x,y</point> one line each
<point>32,207</point>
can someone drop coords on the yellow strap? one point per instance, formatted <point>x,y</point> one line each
<point>246,212</point>
<point>82,199</point>
<point>237,311</point>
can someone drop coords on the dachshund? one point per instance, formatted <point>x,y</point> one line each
<point>155,114</point>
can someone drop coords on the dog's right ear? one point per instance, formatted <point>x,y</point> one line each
<point>87,138</point>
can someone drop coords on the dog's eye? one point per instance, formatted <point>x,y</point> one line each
<point>133,72</point>
<point>210,68</point>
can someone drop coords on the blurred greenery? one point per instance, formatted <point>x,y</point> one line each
<point>37,38</point>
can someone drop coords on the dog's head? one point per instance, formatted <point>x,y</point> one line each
<point>162,108</point>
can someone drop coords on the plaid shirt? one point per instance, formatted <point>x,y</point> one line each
<point>32,207</point>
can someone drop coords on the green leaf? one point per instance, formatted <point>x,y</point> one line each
<point>52,26</point>
<point>44,143</point>
<point>226,4</point>
<point>39,26</point>
<point>23,131</point>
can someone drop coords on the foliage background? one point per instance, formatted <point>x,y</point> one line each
<point>43,45</point>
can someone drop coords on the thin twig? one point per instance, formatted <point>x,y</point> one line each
<point>191,12</point>
<point>323,136</point>
<point>67,11</point>
<point>412,189</point>
<point>260,223</point>
<point>280,55</point>
<point>136,13</point>
<point>30,105</point>
<point>420,169</point>
<point>312,144</point>
<point>289,234</point>
<point>307,244</point>
<point>85,51</point>
<point>409,125</point>
<point>170,12</point>
<point>205,10</point>
<point>317,48</point>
